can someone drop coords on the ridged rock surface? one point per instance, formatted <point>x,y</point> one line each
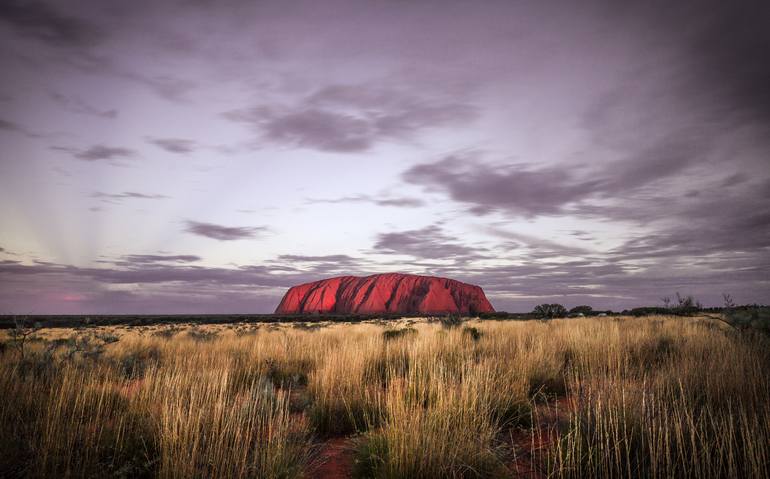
<point>385,293</point>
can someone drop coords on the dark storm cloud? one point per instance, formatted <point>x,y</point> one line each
<point>401,202</point>
<point>346,118</point>
<point>223,233</point>
<point>174,145</point>
<point>128,195</point>
<point>102,152</point>
<point>49,24</point>
<point>429,243</point>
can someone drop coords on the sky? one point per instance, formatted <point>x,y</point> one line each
<point>202,157</point>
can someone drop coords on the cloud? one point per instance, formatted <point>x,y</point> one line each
<point>8,125</point>
<point>169,284</point>
<point>721,225</point>
<point>142,259</point>
<point>427,243</point>
<point>223,233</point>
<point>12,127</point>
<point>734,180</point>
<point>540,247</point>
<point>170,88</point>
<point>333,258</point>
<point>76,105</point>
<point>401,202</point>
<point>517,189</point>
<point>128,195</point>
<point>530,190</point>
<point>316,129</point>
<point>350,118</point>
<point>42,21</point>
<point>169,288</point>
<point>158,272</point>
<point>728,47</point>
<point>102,152</point>
<point>174,145</point>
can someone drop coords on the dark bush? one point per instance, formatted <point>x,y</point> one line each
<point>289,372</point>
<point>202,335</point>
<point>549,311</point>
<point>473,333</point>
<point>648,311</point>
<point>390,334</point>
<point>135,362</point>
<point>582,309</point>
<point>749,317</point>
<point>167,333</point>
<point>451,321</point>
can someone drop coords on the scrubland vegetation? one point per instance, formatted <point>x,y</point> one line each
<point>584,397</point>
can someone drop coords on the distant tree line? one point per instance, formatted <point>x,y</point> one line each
<point>748,316</point>
<point>754,315</point>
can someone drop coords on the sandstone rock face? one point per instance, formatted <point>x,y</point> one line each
<point>385,293</point>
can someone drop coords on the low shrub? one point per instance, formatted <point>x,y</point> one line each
<point>472,333</point>
<point>451,321</point>
<point>390,334</point>
<point>202,335</point>
<point>134,362</point>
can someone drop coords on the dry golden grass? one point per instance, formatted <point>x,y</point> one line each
<point>653,397</point>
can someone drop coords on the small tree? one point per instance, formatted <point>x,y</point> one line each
<point>666,302</point>
<point>22,331</point>
<point>686,305</point>
<point>729,302</point>
<point>549,311</point>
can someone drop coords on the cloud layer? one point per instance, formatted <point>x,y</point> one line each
<point>223,233</point>
<point>350,118</point>
<point>594,152</point>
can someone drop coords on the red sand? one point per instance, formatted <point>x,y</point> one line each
<point>385,293</point>
<point>336,459</point>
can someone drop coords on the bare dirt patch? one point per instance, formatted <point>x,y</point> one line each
<point>335,459</point>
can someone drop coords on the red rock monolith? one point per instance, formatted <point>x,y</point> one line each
<point>385,293</point>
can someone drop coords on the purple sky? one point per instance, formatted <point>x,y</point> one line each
<point>202,157</point>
